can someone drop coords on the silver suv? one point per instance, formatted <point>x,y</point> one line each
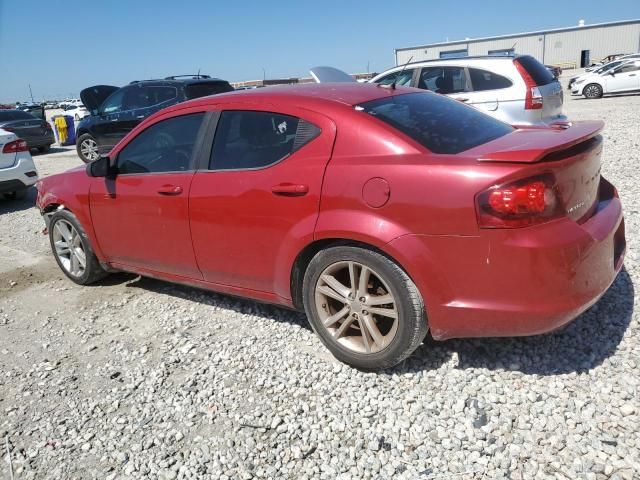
<point>518,90</point>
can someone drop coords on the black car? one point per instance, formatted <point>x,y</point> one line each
<point>35,131</point>
<point>116,111</point>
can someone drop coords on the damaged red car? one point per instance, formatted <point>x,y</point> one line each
<point>383,213</point>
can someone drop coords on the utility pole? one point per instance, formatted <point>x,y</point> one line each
<point>31,93</point>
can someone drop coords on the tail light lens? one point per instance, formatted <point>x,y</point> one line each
<point>533,98</point>
<point>519,204</point>
<point>15,146</point>
<point>46,125</point>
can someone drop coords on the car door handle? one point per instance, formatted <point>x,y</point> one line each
<point>632,75</point>
<point>170,190</point>
<point>290,189</point>
<point>140,116</point>
<point>462,99</point>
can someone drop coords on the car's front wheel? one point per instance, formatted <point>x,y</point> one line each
<point>72,250</point>
<point>593,90</point>
<point>17,195</point>
<point>87,148</point>
<point>364,307</point>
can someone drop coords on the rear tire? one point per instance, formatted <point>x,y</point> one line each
<point>593,90</point>
<point>372,324</point>
<point>87,148</point>
<point>44,148</point>
<point>17,195</point>
<point>72,250</point>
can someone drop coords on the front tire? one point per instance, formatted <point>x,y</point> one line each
<point>17,195</point>
<point>44,148</point>
<point>87,148</point>
<point>72,250</point>
<point>364,307</point>
<point>593,90</point>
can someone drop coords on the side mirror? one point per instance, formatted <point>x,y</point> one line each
<point>612,73</point>
<point>101,168</point>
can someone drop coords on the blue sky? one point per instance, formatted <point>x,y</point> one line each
<point>60,47</point>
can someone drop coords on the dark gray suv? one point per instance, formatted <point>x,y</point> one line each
<point>115,111</point>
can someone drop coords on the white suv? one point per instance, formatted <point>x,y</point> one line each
<point>17,170</point>
<point>622,78</point>
<point>518,90</point>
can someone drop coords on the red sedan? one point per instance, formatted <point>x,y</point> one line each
<point>381,212</point>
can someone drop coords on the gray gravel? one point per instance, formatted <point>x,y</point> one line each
<point>137,378</point>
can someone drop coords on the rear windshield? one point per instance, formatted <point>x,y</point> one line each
<point>6,115</point>
<point>536,70</point>
<point>441,124</point>
<point>197,90</point>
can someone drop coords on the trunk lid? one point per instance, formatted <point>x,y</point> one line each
<point>93,97</point>
<point>572,154</point>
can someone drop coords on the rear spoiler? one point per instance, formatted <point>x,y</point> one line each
<point>530,145</point>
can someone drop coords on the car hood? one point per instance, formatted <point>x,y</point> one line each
<point>330,75</point>
<point>93,97</point>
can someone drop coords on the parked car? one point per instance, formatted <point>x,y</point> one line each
<point>78,112</point>
<point>17,170</point>
<point>35,131</point>
<point>517,90</point>
<point>116,111</point>
<point>602,69</point>
<point>381,212</point>
<point>554,70</point>
<point>621,79</point>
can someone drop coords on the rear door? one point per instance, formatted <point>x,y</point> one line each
<point>492,93</point>
<point>259,194</point>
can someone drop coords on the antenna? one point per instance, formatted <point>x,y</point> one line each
<point>395,80</point>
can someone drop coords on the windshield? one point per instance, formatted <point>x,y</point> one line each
<point>441,124</point>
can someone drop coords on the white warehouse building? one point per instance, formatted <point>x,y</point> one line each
<point>569,47</point>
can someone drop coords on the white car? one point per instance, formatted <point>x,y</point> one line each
<point>622,78</point>
<point>17,170</point>
<point>78,112</point>
<point>518,90</point>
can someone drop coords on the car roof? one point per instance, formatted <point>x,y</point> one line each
<point>348,94</point>
<point>181,81</point>
<point>460,59</point>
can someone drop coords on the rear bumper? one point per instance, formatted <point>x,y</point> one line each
<point>21,175</point>
<point>519,282</point>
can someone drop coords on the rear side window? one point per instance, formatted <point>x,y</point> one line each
<point>166,146</point>
<point>439,123</point>
<point>485,80</point>
<point>148,96</point>
<point>536,70</point>
<point>249,140</point>
<point>14,115</point>
<point>197,90</point>
<point>401,77</point>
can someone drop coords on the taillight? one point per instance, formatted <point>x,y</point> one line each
<point>46,125</point>
<point>15,146</point>
<point>533,98</point>
<point>9,129</point>
<point>519,204</point>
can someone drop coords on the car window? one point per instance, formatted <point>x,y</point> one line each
<point>400,77</point>
<point>113,103</point>
<point>443,79</point>
<point>166,146</point>
<point>249,139</point>
<point>629,67</point>
<point>441,124</point>
<point>485,80</point>
<point>197,90</point>
<point>15,115</point>
<point>608,66</point>
<point>143,96</point>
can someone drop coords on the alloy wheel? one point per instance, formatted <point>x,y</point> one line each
<point>69,248</point>
<point>592,91</point>
<point>89,149</point>
<point>357,307</point>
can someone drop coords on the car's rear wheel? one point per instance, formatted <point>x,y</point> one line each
<point>72,250</point>
<point>87,148</point>
<point>44,148</point>
<point>593,90</point>
<point>17,195</point>
<point>364,307</point>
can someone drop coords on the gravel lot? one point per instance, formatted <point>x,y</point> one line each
<point>137,378</point>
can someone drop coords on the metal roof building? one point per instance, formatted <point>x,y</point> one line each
<point>569,47</point>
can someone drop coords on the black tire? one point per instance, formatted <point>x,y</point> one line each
<point>44,148</point>
<point>412,321</point>
<point>17,195</point>
<point>93,271</point>
<point>82,139</point>
<point>592,91</point>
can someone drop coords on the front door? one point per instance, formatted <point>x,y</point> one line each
<point>141,217</point>
<point>625,78</point>
<point>261,190</point>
